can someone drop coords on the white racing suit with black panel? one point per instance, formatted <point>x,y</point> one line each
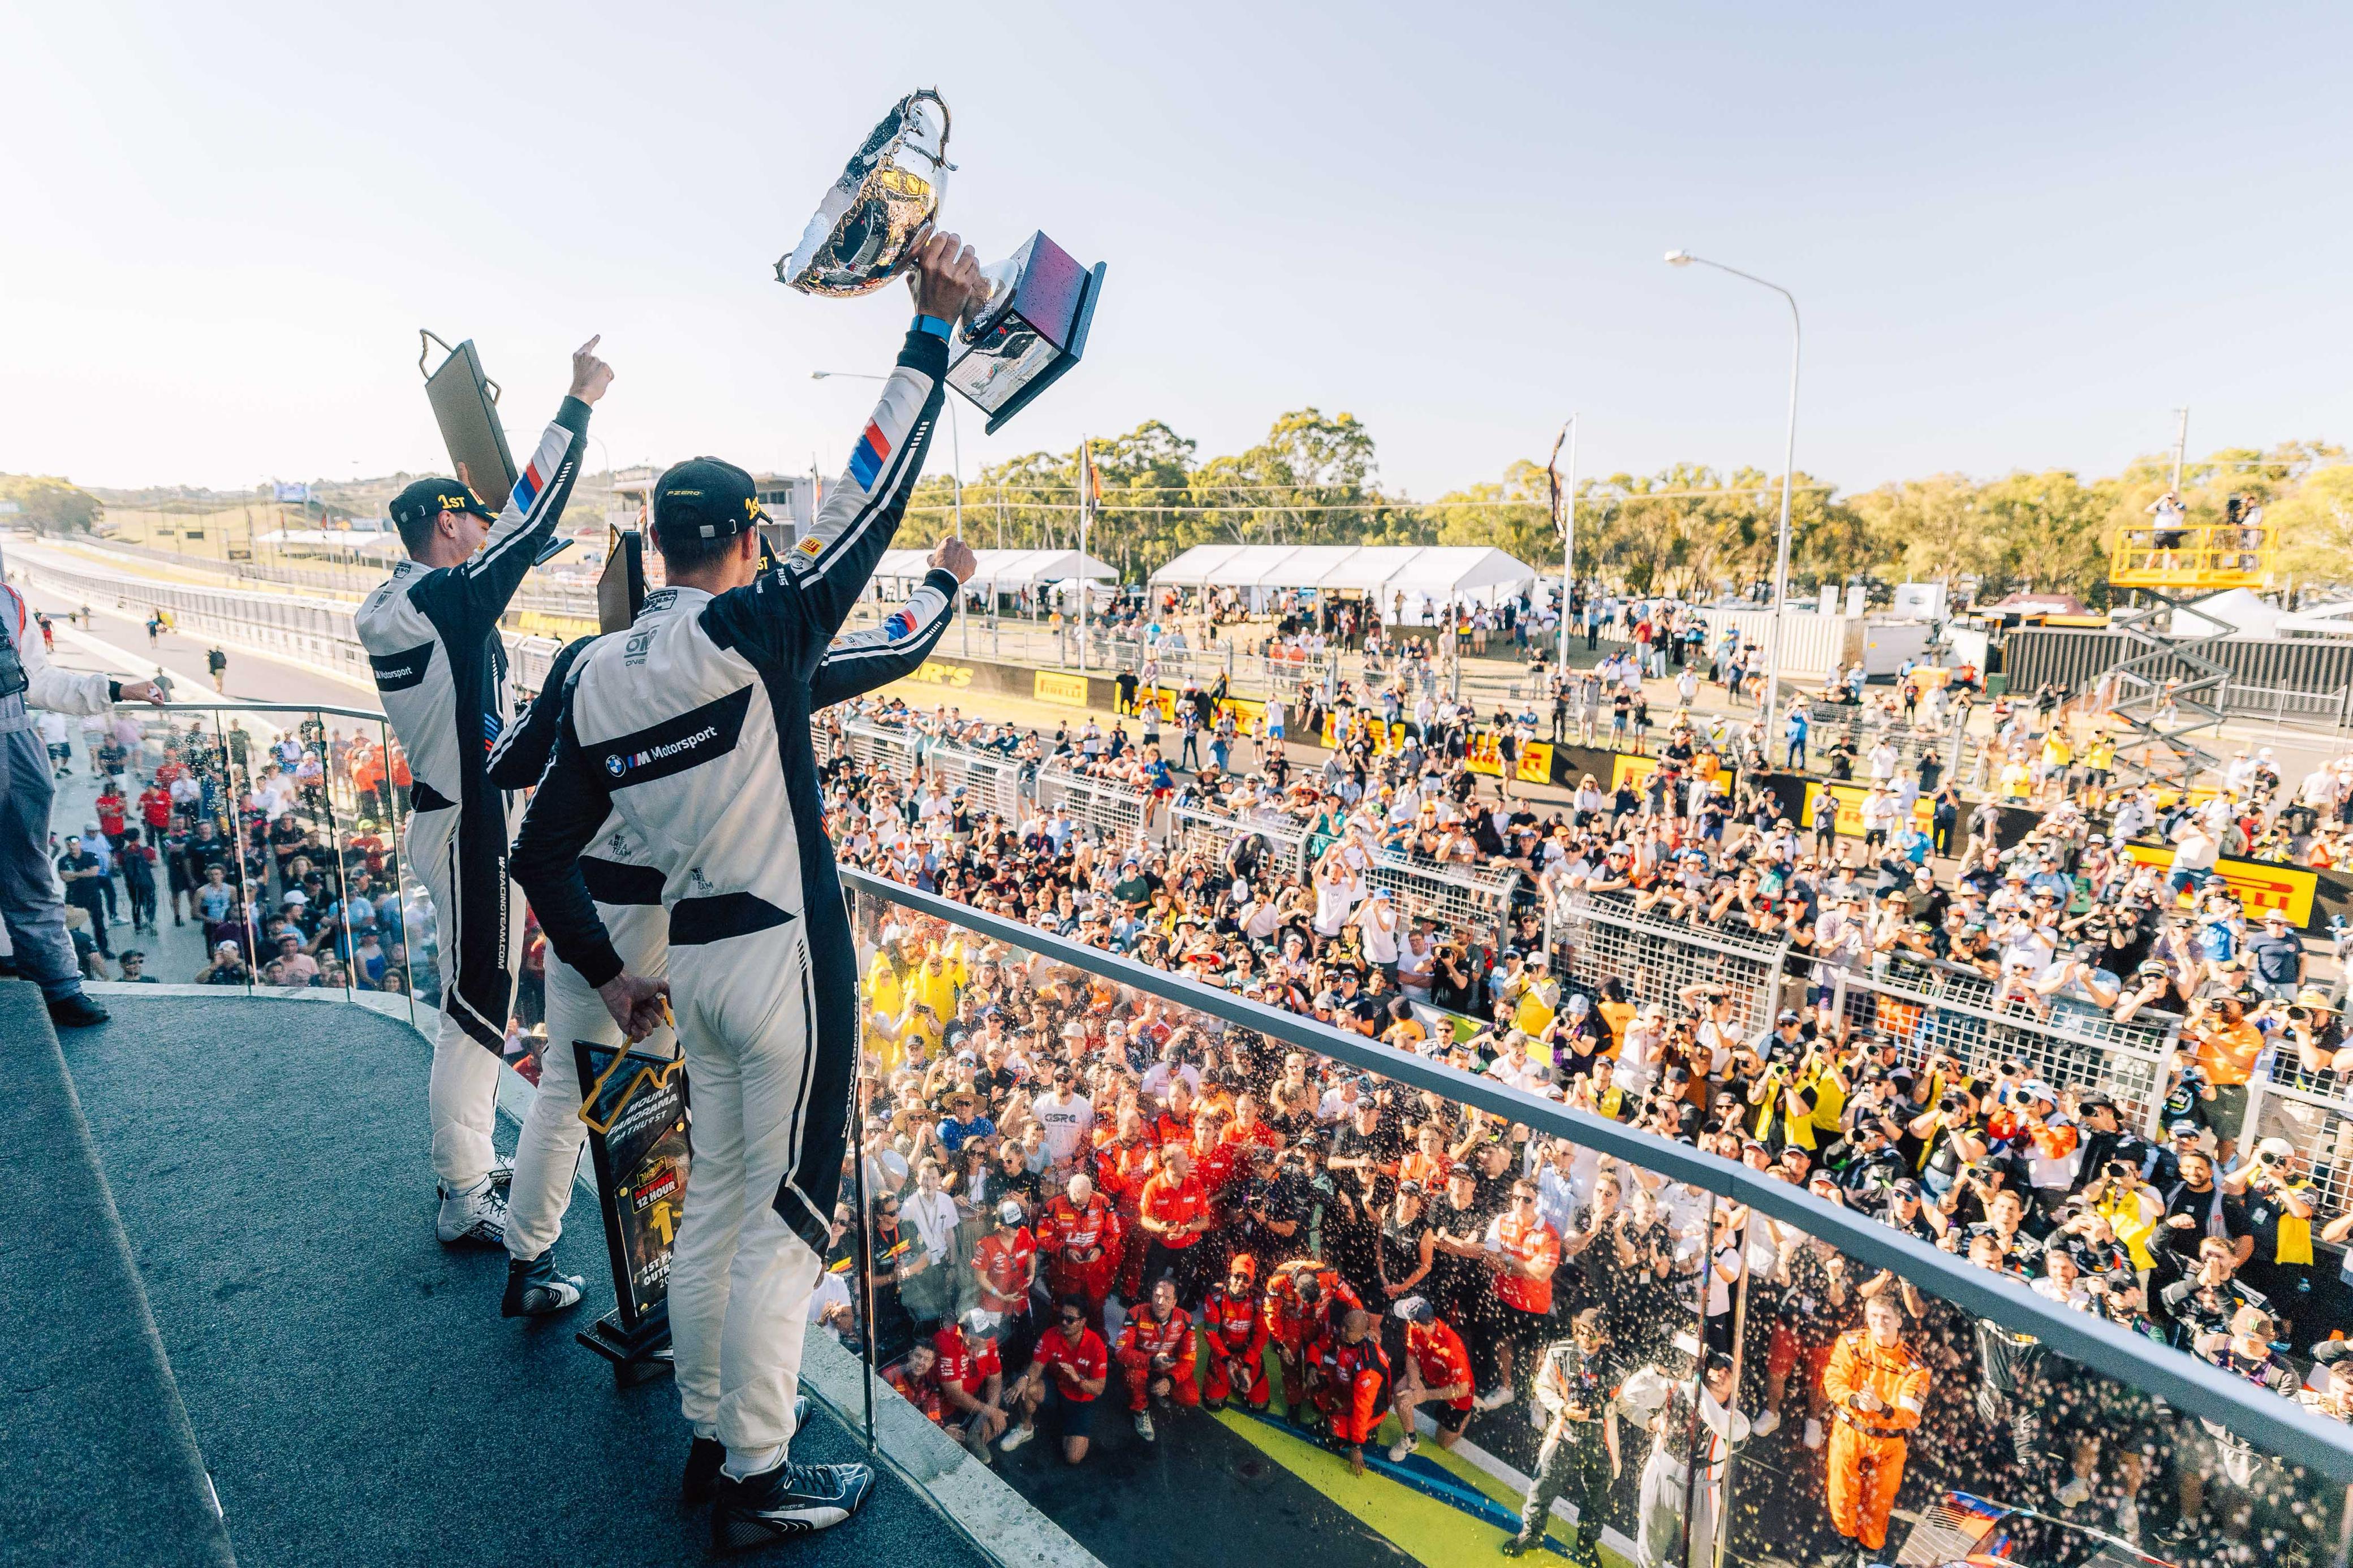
<point>626,886</point>
<point>432,640</point>
<point>694,725</point>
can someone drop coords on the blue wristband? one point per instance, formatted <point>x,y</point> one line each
<point>934,325</point>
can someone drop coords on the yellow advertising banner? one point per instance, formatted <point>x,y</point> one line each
<point>937,672</point>
<point>1388,737</point>
<point>1626,768</point>
<point>1535,762</point>
<point>2259,885</point>
<point>1850,798</point>
<point>1069,690</point>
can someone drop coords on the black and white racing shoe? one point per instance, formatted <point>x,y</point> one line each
<point>705,1455</point>
<point>534,1288</point>
<point>787,1501</point>
<point>475,1218</point>
<point>502,1175</point>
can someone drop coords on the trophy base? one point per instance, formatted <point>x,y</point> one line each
<point>1034,336</point>
<point>1090,288</point>
<point>637,1358</point>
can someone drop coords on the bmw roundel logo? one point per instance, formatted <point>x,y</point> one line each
<point>617,765</point>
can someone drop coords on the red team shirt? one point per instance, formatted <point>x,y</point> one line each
<point>1172,1202</point>
<point>959,1365</point>
<point>1073,1363</point>
<point>1441,1358</point>
<point>1003,1266</point>
<point>1533,1243</point>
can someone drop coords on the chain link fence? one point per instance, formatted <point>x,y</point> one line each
<point>1464,898</point>
<point>1930,1007</point>
<point>1112,814</point>
<point>1596,937</point>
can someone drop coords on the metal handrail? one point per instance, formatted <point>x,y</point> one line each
<point>2283,1426</point>
<point>241,706</point>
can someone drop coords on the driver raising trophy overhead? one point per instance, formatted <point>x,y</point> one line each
<point>694,727</point>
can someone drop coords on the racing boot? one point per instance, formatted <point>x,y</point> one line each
<point>786,1502</point>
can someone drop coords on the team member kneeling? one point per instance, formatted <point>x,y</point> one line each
<point>695,727</point>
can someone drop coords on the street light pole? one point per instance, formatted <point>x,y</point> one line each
<point>1789,472</point>
<point>955,436</point>
<point>1565,504</point>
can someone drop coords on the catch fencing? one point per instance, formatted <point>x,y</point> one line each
<point>2313,1111</point>
<point>1474,899</point>
<point>1112,814</point>
<point>1834,721</point>
<point>1931,1007</point>
<point>991,782</point>
<point>1927,1008</point>
<point>1281,848</point>
<point>1597,937</point>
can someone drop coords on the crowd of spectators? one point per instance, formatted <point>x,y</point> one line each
<point>275,846</point>
<point>1059,1165</point>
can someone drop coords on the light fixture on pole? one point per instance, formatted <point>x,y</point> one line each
<point>955,436</point>
<point>1789,471</point>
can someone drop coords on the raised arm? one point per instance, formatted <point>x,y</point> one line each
<point>860,512</point>
<point>857,662</point>
<point>537,503</point>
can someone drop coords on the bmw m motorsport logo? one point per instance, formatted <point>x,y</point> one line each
<point>898,626</point>
<point>676,744</point>
<point>399,671</point>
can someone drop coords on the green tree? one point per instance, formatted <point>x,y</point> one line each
<point>2315,529</point>
<point>51,505</point>
<point>1515,516</point>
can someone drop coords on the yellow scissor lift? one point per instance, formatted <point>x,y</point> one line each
<point>2170,691</point>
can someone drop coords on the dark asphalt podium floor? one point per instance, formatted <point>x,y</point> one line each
<point>352,1389</point>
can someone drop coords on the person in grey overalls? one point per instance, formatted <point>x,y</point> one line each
<point>31,902</point>
<point>1576,1389</point>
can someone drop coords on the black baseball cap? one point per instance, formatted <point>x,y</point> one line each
<point>428,499</point>
<point>705,497</point>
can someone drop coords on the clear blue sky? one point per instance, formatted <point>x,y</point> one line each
<point>2020,233</point>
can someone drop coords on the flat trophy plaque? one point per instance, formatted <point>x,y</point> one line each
<point>466,405</point>
<point>621,586</point>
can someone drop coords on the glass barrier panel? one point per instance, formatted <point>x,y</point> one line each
<point>1806,1358</point>
<point>1889,1423</point>
<point>1133,1232</point>
<point>415,968</point>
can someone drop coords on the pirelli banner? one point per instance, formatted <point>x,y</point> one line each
<point>2259,884</point>
<point>1850,798</point>
<point>1533,764</point>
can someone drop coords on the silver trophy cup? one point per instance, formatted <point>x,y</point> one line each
<point>1009,347</point>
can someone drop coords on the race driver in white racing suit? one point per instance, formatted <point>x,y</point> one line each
<point>626,886</point>
<point>431,631</point>
<point>695,726</point>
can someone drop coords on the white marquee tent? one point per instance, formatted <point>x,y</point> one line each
<point>1004,571</point>
<point>1434,575</point>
